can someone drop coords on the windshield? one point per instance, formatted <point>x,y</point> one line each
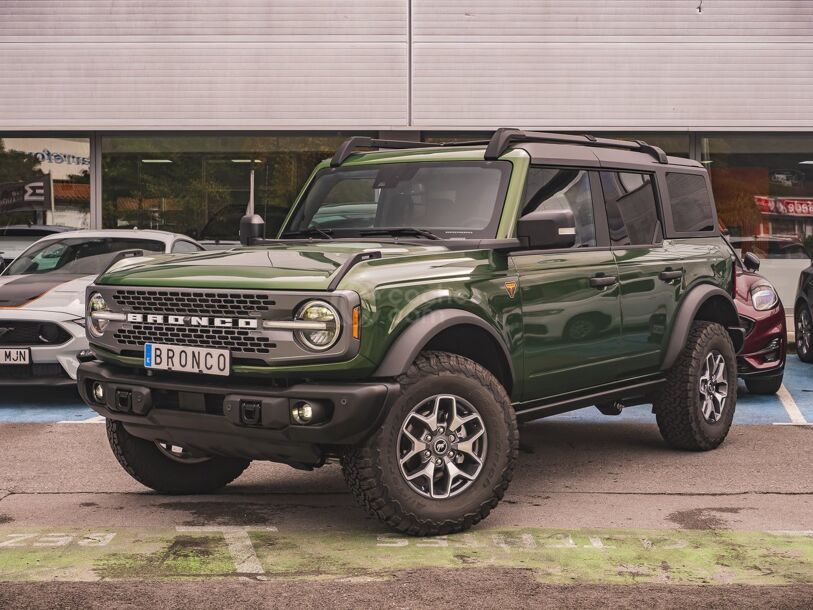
<point>447,199</point>
<point>76,256</point>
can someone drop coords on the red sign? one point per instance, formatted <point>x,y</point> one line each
<point>785,206</point>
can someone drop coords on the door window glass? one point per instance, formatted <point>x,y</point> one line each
<point>632,214</point>
<point>689,202</point>
<point>185,246</point>
<point>563,189</point>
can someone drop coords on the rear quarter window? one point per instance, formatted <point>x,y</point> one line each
<point>690,203</point>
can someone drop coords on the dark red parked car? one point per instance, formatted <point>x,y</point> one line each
<point>761,362</point>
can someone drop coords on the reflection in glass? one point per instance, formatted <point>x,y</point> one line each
<point>200,185</point>
<point>44,181</point>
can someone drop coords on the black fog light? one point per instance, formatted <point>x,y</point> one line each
<point>302,413</point>
<point>774,353</point>
<point>305,413</point>
<point>98,392</point>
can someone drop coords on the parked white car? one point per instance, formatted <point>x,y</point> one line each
<point>42,298</point>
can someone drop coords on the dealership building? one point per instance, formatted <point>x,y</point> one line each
<point>138,113</point>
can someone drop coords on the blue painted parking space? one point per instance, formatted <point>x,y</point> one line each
<point>51,405</point>
<point>42,405</point>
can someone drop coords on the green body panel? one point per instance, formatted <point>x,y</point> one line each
<point>562,334</point>
<point>572,331</point>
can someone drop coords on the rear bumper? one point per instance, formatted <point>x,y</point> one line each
<point>208,415</point>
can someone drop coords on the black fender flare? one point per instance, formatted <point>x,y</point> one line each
<point>405,349</point>
<point>687,313</point>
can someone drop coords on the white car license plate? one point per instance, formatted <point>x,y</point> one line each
<point>15,355</point>
<point>187,359</point>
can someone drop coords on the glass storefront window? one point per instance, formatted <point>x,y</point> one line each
<point>44,188</point>
<point>763,189</point>
<point>200,185</point>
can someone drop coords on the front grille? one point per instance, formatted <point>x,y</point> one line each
<point>16,332</point>
<point>236,339</point>
<point>197,303</point>
<point>31,371</point>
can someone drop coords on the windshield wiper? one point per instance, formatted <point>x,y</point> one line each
<point>396,231</point>
<point>310,232</point>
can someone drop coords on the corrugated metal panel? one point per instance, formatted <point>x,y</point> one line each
<point>246,64</point>
<point>627,18</point>
<point>161,18</point>
<point>614,64</point>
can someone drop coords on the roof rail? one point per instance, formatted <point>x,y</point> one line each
<point>504,137</point>
<point>349,146</point>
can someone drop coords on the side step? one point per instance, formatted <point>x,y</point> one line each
<point>629,394</point>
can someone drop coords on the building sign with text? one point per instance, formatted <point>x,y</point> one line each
<point>785,206</point>
<point>32,195</point>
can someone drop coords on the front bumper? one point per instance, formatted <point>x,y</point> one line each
<point>207,416</point>
<point>52,365</point>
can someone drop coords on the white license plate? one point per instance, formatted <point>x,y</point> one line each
<point>187,359</point>
<point>15,355</point>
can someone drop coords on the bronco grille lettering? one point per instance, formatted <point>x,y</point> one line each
<point>140,318</point>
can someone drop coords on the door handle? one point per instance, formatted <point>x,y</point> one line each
<point>669,275</point>
<point>602,281</point>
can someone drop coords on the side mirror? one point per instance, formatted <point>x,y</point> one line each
<point>252,228</point>
<point>547,230</point>
<point>751,261</point>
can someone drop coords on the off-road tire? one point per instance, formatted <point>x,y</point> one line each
<point>372,470</point>
<point>678,405</point>
<point>149,466</point>
<point>764,385</point>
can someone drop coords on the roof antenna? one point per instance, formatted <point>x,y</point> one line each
<point>700,7</point>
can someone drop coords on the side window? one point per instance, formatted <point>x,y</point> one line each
<point>562,189</point>
<point>632,213</point>
<point>689,202</point>
<point>184,247</point>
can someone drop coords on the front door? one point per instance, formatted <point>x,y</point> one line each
<point>570,298</point>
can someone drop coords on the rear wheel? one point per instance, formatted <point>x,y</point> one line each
<point>804,333</point>
<point>168,468</point>
<point>695,407</point>
<point>764,385</point>
<point>445,453</point>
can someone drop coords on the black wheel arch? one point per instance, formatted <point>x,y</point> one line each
<point>703,302</point>
<point>455,331</point>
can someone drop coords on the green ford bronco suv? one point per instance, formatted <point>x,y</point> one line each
<point>420,301</point>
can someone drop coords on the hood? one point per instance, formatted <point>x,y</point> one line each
<point>283,266</point>
<point>47,291</point>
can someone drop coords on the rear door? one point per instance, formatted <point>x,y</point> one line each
<point>650,271</point>
<point>570,298</point>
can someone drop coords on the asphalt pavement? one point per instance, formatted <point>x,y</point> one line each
<point>599,513</point>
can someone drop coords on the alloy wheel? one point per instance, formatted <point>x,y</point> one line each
<point>442,446</point>
<point>804,328</point>
<point>713,387</point>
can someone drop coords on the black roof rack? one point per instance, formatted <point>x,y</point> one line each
<point>504,137</point>
<point>349,146</point>
<point>497,145</point>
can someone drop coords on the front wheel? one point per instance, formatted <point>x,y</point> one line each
<point>804,333</point>
<point>445,453</point>
<point>695,407</point>
<point>170,469</point>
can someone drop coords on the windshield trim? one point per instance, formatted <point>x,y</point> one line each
<point>456,234</point>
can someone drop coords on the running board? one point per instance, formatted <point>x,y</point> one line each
<point>537,409</point>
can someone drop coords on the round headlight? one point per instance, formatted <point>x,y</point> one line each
<point>764,297</point>
<point>326,325</point>
<point>96,304</point>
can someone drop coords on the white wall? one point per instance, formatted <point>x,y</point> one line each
<point>277,64</point>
